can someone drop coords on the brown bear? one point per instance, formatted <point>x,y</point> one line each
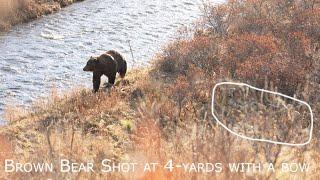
<point>106,64</point>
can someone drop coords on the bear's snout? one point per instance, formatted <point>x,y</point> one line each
<point>85,69</point>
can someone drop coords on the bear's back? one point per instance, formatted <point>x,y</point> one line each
<point>117,56</point>
<point>122,64</point>
<point>106,63</point>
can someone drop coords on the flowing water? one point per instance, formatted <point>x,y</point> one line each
<point>51,52</point>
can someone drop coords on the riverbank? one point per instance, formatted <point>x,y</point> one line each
<point>14,12</point>
<point>163,112</point>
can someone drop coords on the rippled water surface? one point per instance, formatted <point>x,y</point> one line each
<point>51,52</point>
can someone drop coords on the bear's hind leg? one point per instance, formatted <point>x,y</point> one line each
<point>123,70</point>
<point>112,79</point>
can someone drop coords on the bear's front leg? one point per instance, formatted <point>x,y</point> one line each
<point>96,81</point>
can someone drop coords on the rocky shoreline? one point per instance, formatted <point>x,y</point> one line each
<point>14,12</point>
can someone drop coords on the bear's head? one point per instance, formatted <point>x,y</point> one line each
<point>91,64</point>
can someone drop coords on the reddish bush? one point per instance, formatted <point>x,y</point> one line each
<point>252,41</point>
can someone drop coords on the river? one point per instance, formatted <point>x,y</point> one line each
<point>50,52</point>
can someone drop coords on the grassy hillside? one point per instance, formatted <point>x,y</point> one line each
<point>163,112</point>
<point>13,12</point>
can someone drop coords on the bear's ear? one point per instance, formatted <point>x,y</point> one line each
<point>92,58</point>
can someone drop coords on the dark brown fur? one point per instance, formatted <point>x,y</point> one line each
<point>122,64</point>
<point>102,65</point>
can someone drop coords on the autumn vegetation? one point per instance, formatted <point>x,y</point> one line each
<point>163,112</point>
<point>13,12</point>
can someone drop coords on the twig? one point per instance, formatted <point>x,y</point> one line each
<point>49,141</point>
<point>72,138</point>
<point>131,51</point>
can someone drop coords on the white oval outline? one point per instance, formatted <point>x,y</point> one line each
<point>267,91</point>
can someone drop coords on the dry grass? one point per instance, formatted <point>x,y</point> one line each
<point>149,120</point>
<point>165,111</point>
<point>13,12</point>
